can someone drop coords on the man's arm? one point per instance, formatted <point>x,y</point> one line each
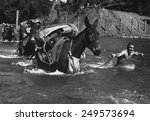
<point>116,55</point>
<point>138,53</point>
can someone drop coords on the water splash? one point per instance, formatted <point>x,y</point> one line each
<point>6,41</point>
<point>102,65</point>
<point>99,65</point>
<point>23,63</point>
<point>11,56</point>
<point>127,67</point>
<point>42,72</point>
<point>116,100</point>
<point>57,73</point>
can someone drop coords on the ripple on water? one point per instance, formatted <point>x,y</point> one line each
<point>23,63</point>
<point>116,100</point>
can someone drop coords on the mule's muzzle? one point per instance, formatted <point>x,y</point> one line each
<point>97,51</point>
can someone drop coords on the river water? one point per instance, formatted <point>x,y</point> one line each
<point>21,82</point>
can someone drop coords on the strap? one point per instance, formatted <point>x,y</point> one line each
<point>69,53</point>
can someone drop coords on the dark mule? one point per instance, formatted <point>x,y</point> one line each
<point>66,53</point>
<point>26,45</point>
<point>7,34</point>
<point>53,35</point>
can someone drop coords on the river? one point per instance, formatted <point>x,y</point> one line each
<point>22,83</point>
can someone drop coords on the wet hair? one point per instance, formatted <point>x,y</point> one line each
<point>129,44</point>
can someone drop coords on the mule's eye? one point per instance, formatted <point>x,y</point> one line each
<point>92,35</point>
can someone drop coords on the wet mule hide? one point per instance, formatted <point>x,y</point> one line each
<point>43,53</point>
<point>66,53</point>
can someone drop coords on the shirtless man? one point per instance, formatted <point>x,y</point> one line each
<point>125,55</point>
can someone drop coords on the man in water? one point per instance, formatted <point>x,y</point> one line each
<point>123,58</point>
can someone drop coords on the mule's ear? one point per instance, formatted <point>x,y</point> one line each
<point>86,21</point>
<point>95,23</point>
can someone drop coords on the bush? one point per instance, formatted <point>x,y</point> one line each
<point>28,9</point>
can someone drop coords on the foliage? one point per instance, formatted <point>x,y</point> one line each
<point>28,9</point>
<point>139,6</point>
<point>39,8</point>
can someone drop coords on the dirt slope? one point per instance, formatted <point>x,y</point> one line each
<point>112,23</point>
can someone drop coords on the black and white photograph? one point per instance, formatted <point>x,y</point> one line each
<point>74,52</point>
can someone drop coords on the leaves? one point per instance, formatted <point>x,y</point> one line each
<point>28,9</point>
<point>39,8</point>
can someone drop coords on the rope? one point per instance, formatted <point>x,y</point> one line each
<point>70,53</point>
<point>106,62</point>
<point>108,59</point>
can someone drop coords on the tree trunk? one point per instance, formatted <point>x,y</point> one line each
<point>54,3</point>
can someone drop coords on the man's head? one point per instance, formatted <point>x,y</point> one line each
<point>38,24</point>
<point>130,47</point>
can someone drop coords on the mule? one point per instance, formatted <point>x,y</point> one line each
<point>66,53</point>
<point>26,45</point>
<point>44,39</point>
<point>7,34</point>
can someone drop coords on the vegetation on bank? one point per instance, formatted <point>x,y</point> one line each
<point>30,9</point>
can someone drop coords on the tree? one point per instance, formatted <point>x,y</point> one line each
<point>28,9</point>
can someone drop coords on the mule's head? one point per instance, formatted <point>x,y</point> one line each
<point>92,37</point>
